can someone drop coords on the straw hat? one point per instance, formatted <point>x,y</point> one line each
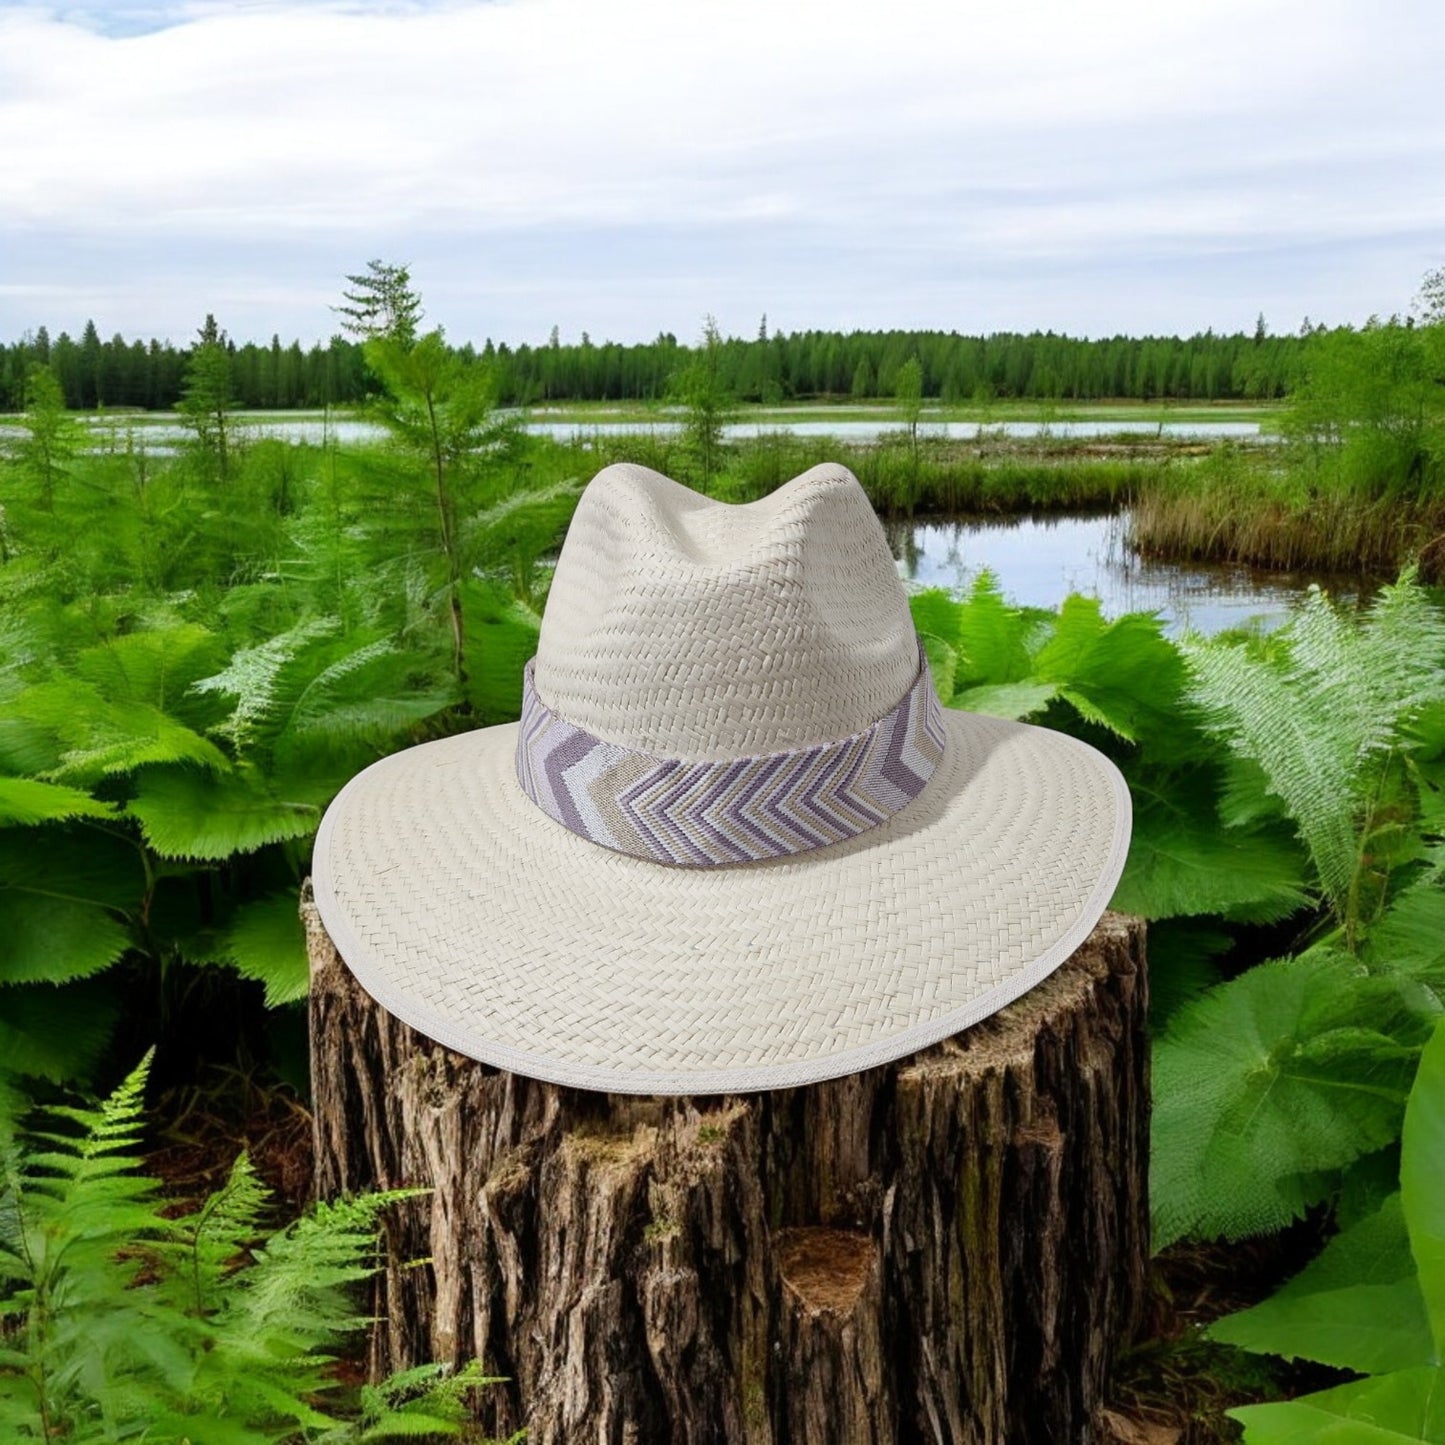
<point>734,842</point>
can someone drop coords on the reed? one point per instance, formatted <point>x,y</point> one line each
<point>947,477</point>
<point>1255,511</point>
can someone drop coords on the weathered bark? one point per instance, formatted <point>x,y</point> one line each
<point>946,1248</point>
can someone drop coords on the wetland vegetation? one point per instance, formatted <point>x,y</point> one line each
<point>201,639</point>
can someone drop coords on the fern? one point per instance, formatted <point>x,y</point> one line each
<point>1181,862</point>
<point>205,1246</point>
<point>119,1321</point>
<point>156,667</point>
<point>309,694</point>
<point>64,1213</point>
<point>501,636</point>
<point>1321,710</point>
<point>186,681</point>
<point>264,682</point>
<point>57,1034</point>
<point>1121,676</point>
<point>265,941</point>
<point>187,813</point>
<point>414,1403</point>
<point>88,736</point>
<point>508,534</point>
<point>25,800</point>
<point>65,896</point>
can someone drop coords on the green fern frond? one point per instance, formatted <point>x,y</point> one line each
<point>1182,863</point>
<point>186,813</point>
<point>263,681</point>
<point>992,638</point>
<point>295,1299</point>
<point>1398,653</point>
<point>313,706</point>
<point>1409,936</point>
<point>266,941</point>
<point>1123,675</point>
<point>1317,710</point>
<point>128,1324</point>
<point>330,680</point>
<point>65,891</point>
<point>208,1245</point>
<point>519,526</point>
<point>154,667</point>
<point>50,940</point>
<point>501,636</point>
<point>355,704</point>
<point>26,801</point>
<point>936,613</point>
<point>91,737</point>
<point>57,1033</point>
<point>1006,699</point>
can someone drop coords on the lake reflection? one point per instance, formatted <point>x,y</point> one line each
<point>1039,560</point>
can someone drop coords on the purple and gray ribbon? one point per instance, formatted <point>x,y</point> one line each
<point>734,810</point>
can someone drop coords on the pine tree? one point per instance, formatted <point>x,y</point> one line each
<point>707,402</point>
<point>208,398</point>
<point>381,303</point>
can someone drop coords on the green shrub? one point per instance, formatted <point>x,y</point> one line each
<point>1373,1302</point>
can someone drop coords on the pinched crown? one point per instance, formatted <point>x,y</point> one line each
<point>694,629</point>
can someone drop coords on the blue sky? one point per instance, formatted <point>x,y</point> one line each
<point>624,166</point>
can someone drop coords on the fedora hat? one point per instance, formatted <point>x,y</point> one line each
<point>734,842</point>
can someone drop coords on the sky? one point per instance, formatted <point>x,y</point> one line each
<point>624,167</point>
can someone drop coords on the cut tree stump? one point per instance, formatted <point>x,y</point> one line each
<point>950,1247</point>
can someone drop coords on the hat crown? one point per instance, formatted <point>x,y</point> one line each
<point>695,629</point>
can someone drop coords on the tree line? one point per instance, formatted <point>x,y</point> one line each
<point>1210,366</point>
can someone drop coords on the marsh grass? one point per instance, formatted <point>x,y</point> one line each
<point>947,477</point>
<point>1257,510</point>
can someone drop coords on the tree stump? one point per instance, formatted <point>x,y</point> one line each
<point>946,1248</point>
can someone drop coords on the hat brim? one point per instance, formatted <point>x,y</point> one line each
<point>471,915</point>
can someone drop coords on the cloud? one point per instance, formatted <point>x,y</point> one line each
<point>630,159</point>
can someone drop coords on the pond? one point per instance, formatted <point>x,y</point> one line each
<point>1039,560</point>
<point>158,430</point>
<point>862,431</point>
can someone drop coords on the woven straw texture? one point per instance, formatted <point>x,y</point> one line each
<point>683,627</point>
<point>469,913</point>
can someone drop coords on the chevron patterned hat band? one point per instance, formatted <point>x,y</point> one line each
<point>733,810</point>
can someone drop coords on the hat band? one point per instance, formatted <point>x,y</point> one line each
<point>734,810</point>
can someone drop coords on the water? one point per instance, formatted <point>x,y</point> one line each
<point>160,431</point>
<point>858,431</point>
<point>1040,560</point>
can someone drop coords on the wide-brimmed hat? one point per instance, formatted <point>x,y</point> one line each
<point>734,842</point>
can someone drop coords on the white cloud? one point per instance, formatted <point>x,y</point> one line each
<point>752,148</point>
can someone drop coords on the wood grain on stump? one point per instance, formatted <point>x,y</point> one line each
<point>950,1247</point>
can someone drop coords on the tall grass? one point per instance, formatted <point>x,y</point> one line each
<point>948,476</point>
<point>1255,509</point>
